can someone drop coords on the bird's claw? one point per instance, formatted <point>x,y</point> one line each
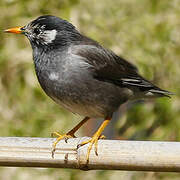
<point>59,137</point>
<point>93,140</point>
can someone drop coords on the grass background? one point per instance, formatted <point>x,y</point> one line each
<point>146,32</point>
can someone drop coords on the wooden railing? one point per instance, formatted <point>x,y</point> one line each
<point>112,154</point>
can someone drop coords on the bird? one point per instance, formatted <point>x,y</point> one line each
<point>81,75</point>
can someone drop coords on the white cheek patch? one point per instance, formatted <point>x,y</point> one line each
<point>49,36</point>
<point>53,76</point>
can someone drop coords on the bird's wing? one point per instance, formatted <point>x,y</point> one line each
<point>108,66</point>
<point>105,62</point>
<point>111,68</point>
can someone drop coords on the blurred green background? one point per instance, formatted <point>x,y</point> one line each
<point>146,32</point>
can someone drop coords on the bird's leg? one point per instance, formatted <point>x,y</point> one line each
<point>68,135</point>
<point>95,138</point>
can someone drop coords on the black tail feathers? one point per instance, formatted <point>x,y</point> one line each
<point>146,87</point>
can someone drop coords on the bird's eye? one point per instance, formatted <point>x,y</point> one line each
<point>23,28</point>
<point>37,31</point>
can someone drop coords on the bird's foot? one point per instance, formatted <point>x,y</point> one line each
<point>60,137</point>
<point>92,141</point>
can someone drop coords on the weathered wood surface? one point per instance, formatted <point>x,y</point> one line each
<point>112,154</point>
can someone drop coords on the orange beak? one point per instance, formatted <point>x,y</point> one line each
<point>16,30</point>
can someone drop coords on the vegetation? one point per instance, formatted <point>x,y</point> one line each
<point>147,33</point>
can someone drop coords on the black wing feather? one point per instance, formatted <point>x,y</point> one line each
<point>114,69</point>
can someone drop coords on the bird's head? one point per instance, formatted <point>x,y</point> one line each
<point>48,31</point>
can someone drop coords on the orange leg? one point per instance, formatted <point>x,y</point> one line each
<point>95,138</point>
<point>68,135</point>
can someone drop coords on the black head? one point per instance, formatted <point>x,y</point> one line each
<point>48,31</point>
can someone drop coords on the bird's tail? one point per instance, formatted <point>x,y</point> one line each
<point>145,88</point>
<point>157,92</point>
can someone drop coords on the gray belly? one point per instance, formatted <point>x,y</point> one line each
<point>90,98</point>
<point>80,93</point>
<point>81,108</point>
